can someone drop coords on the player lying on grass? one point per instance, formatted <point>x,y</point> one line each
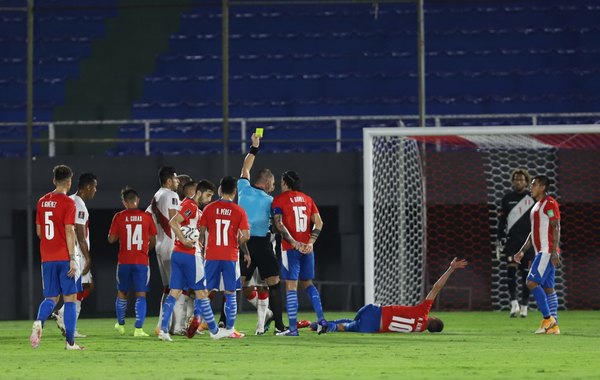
<point>397,318</point>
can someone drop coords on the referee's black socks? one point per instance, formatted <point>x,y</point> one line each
<point>276,305</point>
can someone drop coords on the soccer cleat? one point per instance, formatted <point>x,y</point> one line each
<point>514,308</point>
<point>302,324</point>
<point>268,321</point>
<point>36,334</point>
<point>77,334</point>
<point>180,332</point>
<point>139,332</point>
<point>523,311</point>
<point>120,328</point>
<point>322,327</point>
<point>164,336</point>
<point>193,327</point>
<point>555,330</point>
<point>60,322</point>
<point>288,332</point>
<point>235,334</point>
<point>74,347</point>
<point>222,333</point>
<point>546,325</point>
<point>260,329</point>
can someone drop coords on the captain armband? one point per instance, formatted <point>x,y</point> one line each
<point>315,233</point>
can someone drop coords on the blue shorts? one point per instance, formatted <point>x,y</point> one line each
<point>542,271</point>
<point>187,272</point>
<point>139,274</point>
<point>55,280</point>
<point>367,320</point>
<point>297,266</point>
<point>214,269</point>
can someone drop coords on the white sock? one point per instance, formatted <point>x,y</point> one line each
<point>261,310</point>
<point>254,301</point>
<point>178,321</point>
<point>61,312</point>
<point>162,299</point>
<point>77,308</point>
<point>189,308</point>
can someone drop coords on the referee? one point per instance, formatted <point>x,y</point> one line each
<point>256,201</point>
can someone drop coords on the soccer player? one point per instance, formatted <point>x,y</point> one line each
<point>183,180</point>
<point>256,201</point>
<point>55,226</point>
<point>545,238</point>
<point>228,231</point>
<point>397,318</point>
<point>294,212</point>
<point>86,190</point>
<point>513,229</point>
<point>187,272</point>
<point>135,231</point>
<point>164,206</point>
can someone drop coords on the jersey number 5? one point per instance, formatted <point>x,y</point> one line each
<point>222,232</point>
<point>48,225</point>
<point>134,236</point>
<point>301,218</point>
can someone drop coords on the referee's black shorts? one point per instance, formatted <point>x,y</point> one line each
<point>263,258</point>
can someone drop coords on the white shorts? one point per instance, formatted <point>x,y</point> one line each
<point>163,256</point>
<point>85,278</point>
<point>255,280</point>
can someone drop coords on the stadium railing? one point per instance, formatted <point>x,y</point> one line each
<point>342,125</point>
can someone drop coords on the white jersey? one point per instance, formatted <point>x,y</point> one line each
<point>81,217</point>
<point>163,201</point>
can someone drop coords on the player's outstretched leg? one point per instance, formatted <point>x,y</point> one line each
<point>542,303</point>
<point>231,314</point>
<point>261,310</point>
<point>44,311</point>
<point>167,311</point>
<point>315,300</point>
<point>292,310</point>
<point>71,326</point>
<point>553,306</point>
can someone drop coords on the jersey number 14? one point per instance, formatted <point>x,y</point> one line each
<point>134,236</point>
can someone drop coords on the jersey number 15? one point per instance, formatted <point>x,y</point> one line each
<point>301,218</point>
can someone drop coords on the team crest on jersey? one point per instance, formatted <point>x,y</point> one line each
<point>188,213</point>
<point>81,214</point>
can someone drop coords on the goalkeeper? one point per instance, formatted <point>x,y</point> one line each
<point>396,318</point>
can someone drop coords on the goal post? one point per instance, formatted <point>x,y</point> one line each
<point>432,193</point>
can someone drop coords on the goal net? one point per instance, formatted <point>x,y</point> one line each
<point>434,193</point>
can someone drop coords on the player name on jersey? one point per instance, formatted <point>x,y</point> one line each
<point>133,218</point>
<point>49,204</point>
<point>297,199</point>
<point>223,211</point>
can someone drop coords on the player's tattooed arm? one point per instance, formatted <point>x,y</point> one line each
<point>523,249</point>
<point>554,257</point>
<point>70,236</point>
<point>283,231</point>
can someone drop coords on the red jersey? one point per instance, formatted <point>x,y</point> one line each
<point>190,212</point>
<point>541,232</point>
<point>296,209</point>
<point>405,319</point>
<point>54,212</point>
<point>134,228</point>
<point>223,221</point>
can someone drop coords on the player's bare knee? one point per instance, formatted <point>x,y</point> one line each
<point>291,285</point>
<point>273,280</point>
<point>247,291</point>
<point>175,293</point>
<point>201,294</point>
<point>532,285</point>
<point>140,294</point>
<point>122,295</point>
<point>549,290</point>
<point>305,283</point>
<point>69,297</point>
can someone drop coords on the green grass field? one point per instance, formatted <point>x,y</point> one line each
<point>477,345</point>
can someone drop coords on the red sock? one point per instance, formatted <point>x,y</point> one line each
<point>263,295</point>
<point>83,295</point>
<point>251,295</point>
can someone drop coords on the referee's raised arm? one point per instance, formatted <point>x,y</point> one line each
<point>249,160</point>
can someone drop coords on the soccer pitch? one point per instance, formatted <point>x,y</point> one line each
<point>477,345</point>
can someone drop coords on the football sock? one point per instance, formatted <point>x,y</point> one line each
<point>511,279</point>
<point>263,305</point>
<point>77,308</point>
<point>540,299</point>
<point>140,312</point>
<point>252,298</point>
<point>179,313</point>
<point>203,307</point>
<point>524,289</point>
<point>121,308</point>
<point>276,305</point>
<point>70,321</point>
<point>190,308</point>
<point>313,295</point>
<point>552,299</point>
<point>162,301</point>
<point>167,310</point>
<point>45,310</point>
<point>223,317</point>
<point>292,308</point>
<point>230,309</point>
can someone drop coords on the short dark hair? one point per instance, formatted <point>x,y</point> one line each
<point>292,180</point>
<point>228,185</point>
<point>205,185</point>
<point>86,179</point>
<point>543,180</point>
<point>435,325</point>
<point>521,171</point>
<point>129,194</point>
<point>188,185</point>
<point>264,175</point>
<point>62,172</point>
<point>164,173</point>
